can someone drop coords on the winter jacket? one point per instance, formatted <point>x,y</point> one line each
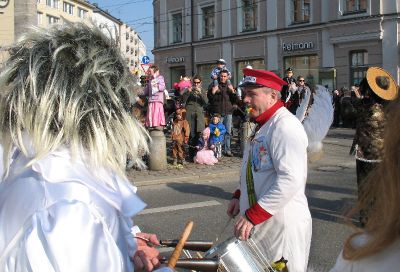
<point>222,101</point>
<point>155,94</point>
<point>214,136</point>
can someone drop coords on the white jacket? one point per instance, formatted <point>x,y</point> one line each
<point>279,160</point>
<point>386,260</point>
<point>55,215</point>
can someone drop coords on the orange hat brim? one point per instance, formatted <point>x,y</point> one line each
<point>387,94</point>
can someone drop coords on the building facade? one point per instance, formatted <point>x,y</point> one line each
<point>17,15</point>
<point>132,48</point>
<point>328,42</point>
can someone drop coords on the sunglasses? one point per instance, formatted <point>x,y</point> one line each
<point>301,80</point>
<point>196,82</point>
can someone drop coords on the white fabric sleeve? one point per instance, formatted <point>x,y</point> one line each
<point>289,157</point>
<point>71,236</point>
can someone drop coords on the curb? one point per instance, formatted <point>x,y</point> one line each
<point>181,179</point>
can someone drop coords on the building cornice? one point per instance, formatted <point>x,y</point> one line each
<point>84,3</point>
<point>360,37</point>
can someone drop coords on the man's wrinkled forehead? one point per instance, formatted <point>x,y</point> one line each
<point>251,90</point>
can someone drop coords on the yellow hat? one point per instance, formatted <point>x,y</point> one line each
<point>382,83</point>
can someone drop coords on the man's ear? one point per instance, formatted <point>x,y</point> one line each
<point>274,95</point>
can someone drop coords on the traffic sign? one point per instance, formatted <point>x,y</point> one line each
<point>145,60</point>
<point>145,67</point>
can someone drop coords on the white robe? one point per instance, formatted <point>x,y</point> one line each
<point>55,215</point>
<point>279,169</point>
<point>386,260</point>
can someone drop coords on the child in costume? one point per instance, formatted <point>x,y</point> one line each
<point>217,132</point>
<point>180,136</point>
<point>204,154</point>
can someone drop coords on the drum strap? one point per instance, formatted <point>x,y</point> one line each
<point>250,182</point>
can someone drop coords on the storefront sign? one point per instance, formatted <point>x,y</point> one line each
<point>175,59</point>
<point>288,47</point>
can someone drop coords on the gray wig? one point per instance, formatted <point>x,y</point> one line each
<point>68,86</point>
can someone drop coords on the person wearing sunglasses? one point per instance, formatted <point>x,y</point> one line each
<point>195,99</point>
<point>297,94</point>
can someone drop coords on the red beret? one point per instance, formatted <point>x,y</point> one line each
<point>262,78</point>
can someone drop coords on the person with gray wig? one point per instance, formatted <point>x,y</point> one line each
<point>66,131</point>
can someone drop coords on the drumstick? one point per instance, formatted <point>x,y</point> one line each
<point>177,252</point>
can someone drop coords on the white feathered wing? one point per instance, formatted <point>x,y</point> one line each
<point>318,121</point>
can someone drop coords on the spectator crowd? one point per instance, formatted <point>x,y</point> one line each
<point>200,114</point>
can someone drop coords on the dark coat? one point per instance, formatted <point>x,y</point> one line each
<point>194,103</point>
<point>222,101</point>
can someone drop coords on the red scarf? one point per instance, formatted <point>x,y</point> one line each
<point>266,115</point>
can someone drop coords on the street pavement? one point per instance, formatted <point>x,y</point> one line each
<point>228,166</point>
<point>201,193</point>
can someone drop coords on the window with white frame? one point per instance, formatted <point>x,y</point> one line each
<point>52,3</point>
<point>177,27</point>
<point>249,15</point>
<point>68,8</point>
<point>354,6</point>
<point>301,10</point>
<point>82,13</point>
<point>358,66</point>
<point>208,22</point>
<point>52,19</point>
<point>39,18</point>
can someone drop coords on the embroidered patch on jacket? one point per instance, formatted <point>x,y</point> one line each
<point>261,159</point>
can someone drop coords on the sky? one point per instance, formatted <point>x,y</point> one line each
<point>136,13</point>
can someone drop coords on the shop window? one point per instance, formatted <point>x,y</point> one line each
<point>306,66</point>
<point>249,15</point>
<point>255,64</point>
<point>208,22</point>
<point>301,10</point>
<point>358,66</point>
<point>177,28</point>
<point>204,70</point>
<point>354,6</point>
<point>68,8</point>
<point>176,73</point>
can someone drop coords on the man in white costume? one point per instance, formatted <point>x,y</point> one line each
<point>270,197</point>
<point>66,131</point>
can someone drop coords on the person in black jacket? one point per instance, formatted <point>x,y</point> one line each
<point>289,79</point>
<point>223,99</point>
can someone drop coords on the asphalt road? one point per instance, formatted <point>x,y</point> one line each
<point>331,191</point>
